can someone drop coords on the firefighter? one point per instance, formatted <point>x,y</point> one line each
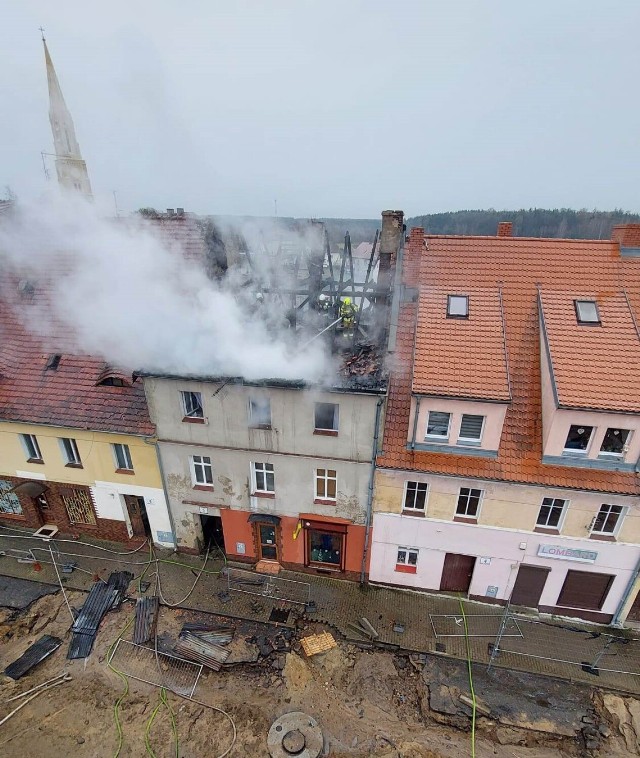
<point>347,314</point>
<point>323,303</point>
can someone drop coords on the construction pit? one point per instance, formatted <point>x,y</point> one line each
<point>353,701</point>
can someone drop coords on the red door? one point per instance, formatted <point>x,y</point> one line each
<point>457,572</point>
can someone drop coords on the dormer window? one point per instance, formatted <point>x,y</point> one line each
<point>457,306</point>
<point>578,440</point>
<point>615,442</point>
<point>112,381</point>
<point>587,311</point>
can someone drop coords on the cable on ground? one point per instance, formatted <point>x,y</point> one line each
<point>473,694</point>
<point>125,692</point>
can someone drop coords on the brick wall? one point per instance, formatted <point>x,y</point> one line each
<point>56,513</point>
<point>628,235</point>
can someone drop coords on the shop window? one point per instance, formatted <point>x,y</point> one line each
<point>326,548</point>
<point>9,502</point>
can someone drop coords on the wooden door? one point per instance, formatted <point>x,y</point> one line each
<point>457,572</point>
<point>267,541</point>
<point>634,611</point>
<point>585,589</point>
<point>138,516</point>
<point>529,585</point>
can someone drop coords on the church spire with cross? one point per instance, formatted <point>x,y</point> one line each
<point>70,166</point>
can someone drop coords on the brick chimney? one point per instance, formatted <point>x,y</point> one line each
<point>505,228</point>
<point>628,235</point>
<point>390,236</point>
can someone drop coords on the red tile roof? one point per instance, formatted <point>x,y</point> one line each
<point>594,366</point>
<point>517,265</point>
<point>67,396</point>
<point>460,357</point>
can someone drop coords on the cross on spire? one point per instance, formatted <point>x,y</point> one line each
<point>42,32</point>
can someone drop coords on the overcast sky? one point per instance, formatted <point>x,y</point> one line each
<point>335,108</point>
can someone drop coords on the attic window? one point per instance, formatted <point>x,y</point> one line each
<point>457,306</point>
<point>112,381</point>
<point>53,361</point>
<point>587,311</point>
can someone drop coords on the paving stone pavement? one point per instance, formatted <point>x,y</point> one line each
<point>433,623</point>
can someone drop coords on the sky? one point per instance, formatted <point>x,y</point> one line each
<point>330,108</point>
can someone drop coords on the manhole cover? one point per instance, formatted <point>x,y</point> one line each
<point>281,616</point>
<point>296,734</point>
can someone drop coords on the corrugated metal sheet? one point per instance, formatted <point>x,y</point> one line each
<point>100,600</point>
<point>119,580</point>
<point>193,648</point>
<point>31,657</point>
<point>146,618</point>
<point>80,646</point>
<point>214,633</point>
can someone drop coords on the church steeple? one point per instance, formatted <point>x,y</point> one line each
<point>70,167</point>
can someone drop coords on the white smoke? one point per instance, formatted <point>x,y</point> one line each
<point>118,291</point>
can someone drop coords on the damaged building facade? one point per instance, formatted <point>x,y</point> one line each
<point>509,470</point>
<point>276,472</point>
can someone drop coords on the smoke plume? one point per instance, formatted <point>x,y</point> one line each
<point>115,288</point>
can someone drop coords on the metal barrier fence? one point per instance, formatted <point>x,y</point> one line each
<point>160,669</point>
<point>265,585</point>
<point>566,650</point>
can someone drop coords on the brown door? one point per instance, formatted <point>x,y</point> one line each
<point>457,572</point>
<point>529,585</point>
<point>267,541</point>
<point>584,589</point>
<point>634,611</point>
<point>138,516</point>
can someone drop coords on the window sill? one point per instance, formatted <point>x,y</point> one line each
<point>437,440</point>
<point>265,427</point>
<point>13,516</point>
<point>574,453</point>
<point>326,432</point>
<point>203,487</point>
<point>546,530</point>
<point>192,420</point>
<point>466,519</point>
<point>35,460</point>
<point>324,566</point>
<point>73,465</point>
<point>128,471</point>
<point>611,456</point>
<point>603,537</point>
<point>324,501</point>
<point>420,514</point>
<point>402,569</point>
<point>263,494</point>
<point>468,443</point>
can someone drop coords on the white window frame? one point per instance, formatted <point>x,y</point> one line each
<point>256,423</point>
<point>451,299</point>
<point>439,437</point>
<point>31,439</point>
<point>412,508</point>
<point>201,465</point>
<point>579,453</point>
<point>126,455</point>
<point>185,408</point>
<point>407,551</point>
<point>325,479</point>
<point>472,441</point>
<point>260,467</point>
<point>619,520</point>
<point>476,516</point>
<point>336,418</point>
<point>618,456</point>
<point>70,454</point>
<point>563,513</point>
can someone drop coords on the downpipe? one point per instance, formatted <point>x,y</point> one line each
<point>368,517</point>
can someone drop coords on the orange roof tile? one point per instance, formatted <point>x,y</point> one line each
<point>460,357</point>
<point>594,367</point>
<point>517,265</point>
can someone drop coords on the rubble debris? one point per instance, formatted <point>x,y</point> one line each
<point>295,733</point>
<point>146,619</point>
<point>480,706</point>
<point>317,643</point>
<point>119,580</point>
<point>366,625</point>
<point>214,633</point>
<point>33,656</point>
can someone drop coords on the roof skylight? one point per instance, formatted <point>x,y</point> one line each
<point>457,306</point>
<point>587,311</point>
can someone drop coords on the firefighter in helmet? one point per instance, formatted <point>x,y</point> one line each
<point>347,314</point>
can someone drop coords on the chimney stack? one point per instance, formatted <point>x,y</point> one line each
<point>180,211</point>
<point>170,212</point>
<point>390,236</point>
<point>628,235</point>
<point>505,229</point>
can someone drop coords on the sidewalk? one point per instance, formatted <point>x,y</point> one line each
<point>432,623</point>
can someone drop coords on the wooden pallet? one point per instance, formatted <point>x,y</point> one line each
<point>317,643</point>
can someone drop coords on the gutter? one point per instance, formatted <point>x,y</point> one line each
<point>368,518</point>
<point>154,442</point>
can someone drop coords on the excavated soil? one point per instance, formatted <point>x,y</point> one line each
<point>368,702</point>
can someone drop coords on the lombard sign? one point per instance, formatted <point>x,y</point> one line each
<point>567,553</point>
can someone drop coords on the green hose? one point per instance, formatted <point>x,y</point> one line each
<point>125,692</point>
<point>147,732</point>
<point>473,694</point>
